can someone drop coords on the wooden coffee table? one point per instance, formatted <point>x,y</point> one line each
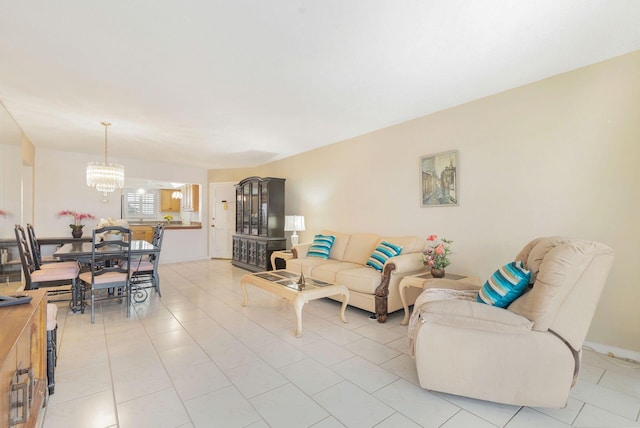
<point>284,284</point>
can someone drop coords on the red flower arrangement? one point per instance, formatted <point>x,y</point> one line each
<point>77,218</point>
<point>436,255</point>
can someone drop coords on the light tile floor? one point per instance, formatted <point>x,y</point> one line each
<point>197,358</point>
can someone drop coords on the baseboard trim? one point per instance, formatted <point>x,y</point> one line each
<point>613,351</point>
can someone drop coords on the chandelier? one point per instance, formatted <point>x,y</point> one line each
<point>176,195</point>
<point>104,176</point>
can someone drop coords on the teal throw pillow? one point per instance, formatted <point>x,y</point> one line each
<point>382,253</point>
<point>321,246</point>
<point>505,285</point>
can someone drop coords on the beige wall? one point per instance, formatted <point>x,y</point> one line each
<point>556,157</point>
<point>28,151</point>
<point>28,179</point>
<point>11,138</point>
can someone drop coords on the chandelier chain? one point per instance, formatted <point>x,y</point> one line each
<point>106,126</point>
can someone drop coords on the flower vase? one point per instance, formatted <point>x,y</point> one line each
<point>76,233</point>
<point>437,273</point>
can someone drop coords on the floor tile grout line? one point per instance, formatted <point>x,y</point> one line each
<point>517,412</point>
<point>113,389</point>
<point>573,420</point>
<point>460,409</point>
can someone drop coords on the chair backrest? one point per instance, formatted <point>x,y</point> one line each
<point>158,235</point>
<point>111,256</point>
<point>26,259</point>
<point>35,247</point>
<point>567,277</point>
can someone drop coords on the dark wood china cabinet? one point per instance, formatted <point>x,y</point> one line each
<point>259,222</point>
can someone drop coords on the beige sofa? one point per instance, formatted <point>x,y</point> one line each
<point>529,353</point>
<point>369,289</point>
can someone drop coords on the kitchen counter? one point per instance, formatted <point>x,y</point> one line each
<point>172,225</point>
<point>181,226</point>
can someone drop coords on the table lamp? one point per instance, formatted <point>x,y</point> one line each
<point>294,223</point>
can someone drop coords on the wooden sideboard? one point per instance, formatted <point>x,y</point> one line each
<point>259,222</point>
<point>23,370</point>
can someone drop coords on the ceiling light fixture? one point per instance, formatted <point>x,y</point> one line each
<point>176,195</point>
<point>104,176</point>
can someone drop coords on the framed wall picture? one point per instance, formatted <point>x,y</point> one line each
<point>439,179</point>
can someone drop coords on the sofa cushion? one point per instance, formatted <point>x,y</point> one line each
<point>321,246</point>
<point>360,247</point>
<point>329,271</point>
<point>362,279</point>
<point>339,245</point>
<point>383,252</point>
<point>306,265</point>
<point>409,244</point>
<point>505,285</point>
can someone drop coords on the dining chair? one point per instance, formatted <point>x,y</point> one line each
<point>145,269</point>
<point>52,277</point>
<point>109,267</point>
<point>38,260</point>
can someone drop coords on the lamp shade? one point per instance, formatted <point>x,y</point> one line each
<point>293,223</point>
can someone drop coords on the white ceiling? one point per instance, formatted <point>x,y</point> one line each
<point>232,83</point>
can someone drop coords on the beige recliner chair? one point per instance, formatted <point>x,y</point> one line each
<point>529,353</point>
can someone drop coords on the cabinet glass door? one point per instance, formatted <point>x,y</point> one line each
<point>238,210</point>
<point>254,208</point>
<point>246,214</point>
<point>264,203</point>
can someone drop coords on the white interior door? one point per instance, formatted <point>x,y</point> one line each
<point>222,221</point>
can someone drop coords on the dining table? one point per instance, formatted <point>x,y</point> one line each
<point>83,251</point>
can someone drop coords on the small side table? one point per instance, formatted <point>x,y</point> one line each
<point>282,254</point>
<point>422,280</point>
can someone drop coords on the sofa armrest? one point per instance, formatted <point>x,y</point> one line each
<point>473,315</point>
<point>300,251</point>
<point>406,263</point>
<point>398,266</point>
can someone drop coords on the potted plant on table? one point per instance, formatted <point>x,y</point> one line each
<point>76,226</point>
<point>435,256</point>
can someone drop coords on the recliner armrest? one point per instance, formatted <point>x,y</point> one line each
<point>473,315</point>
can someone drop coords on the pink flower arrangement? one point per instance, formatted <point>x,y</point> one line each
<point>3,213</point>
<point>436,254</point>
<point>77,218</point>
